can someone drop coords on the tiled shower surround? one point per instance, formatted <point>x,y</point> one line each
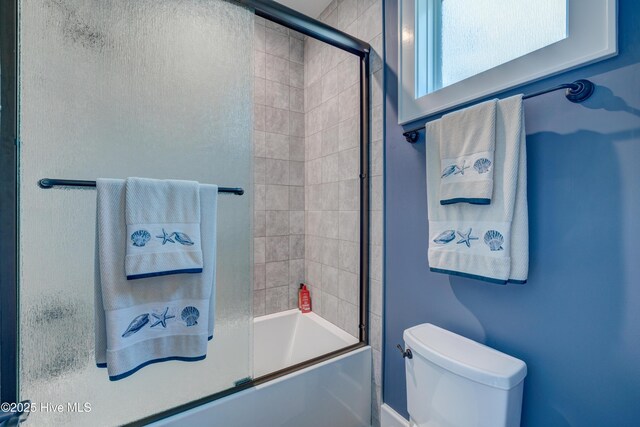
<point>278,167</point>
<point>306,169</point>
<point>332,168</point>
<point>332,101</point>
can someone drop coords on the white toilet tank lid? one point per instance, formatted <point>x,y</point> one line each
<point>465,357</point>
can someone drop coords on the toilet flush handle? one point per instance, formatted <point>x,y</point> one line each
<point>405,353</point>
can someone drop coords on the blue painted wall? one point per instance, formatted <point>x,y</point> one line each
<point>576,323</point>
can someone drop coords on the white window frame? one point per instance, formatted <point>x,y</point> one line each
<point>591,37</point>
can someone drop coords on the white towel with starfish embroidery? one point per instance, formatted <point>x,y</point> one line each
<point>485,242</point>
<point>153,319</point>
<point>163,227</point>
<point>467,145</point>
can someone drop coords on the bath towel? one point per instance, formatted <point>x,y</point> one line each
<point>467,143</point>
<point>486,242</point>
<point>153,319</point>
<point>163,227</point>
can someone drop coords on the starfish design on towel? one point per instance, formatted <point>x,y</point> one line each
<point>162,318</point>
<point>461,169</point>
<point>466,238</point>
<point>165,237</point>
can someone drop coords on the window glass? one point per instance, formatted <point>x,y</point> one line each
<point>466,37</point>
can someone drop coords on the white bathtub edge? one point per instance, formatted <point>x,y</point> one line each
<point>266,317</point>
<point>342,334</point>
<point>309,368</point>
<point>390,418</point>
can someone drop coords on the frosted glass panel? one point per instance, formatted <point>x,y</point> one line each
<point>473,36</point>
<point>114,89</point>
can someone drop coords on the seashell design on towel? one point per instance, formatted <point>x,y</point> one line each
<point>445,237</point>
<point>450,170</point>
<point>136,324</point>
<point>494,240</point>
<point>482,165</point>
<point>454,170</point>
<point>182,238</point>
<point>190,315</point>
<point>140,237</point>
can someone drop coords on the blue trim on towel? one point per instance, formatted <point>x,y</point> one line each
<point>149,362</point>
<point>470,276</point>
<point>210,338</point>
<point>517,282</point>
<point>164,273</point>
<point>465,200</point>
<point>101,365</point>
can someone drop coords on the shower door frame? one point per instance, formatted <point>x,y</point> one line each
<point>9,201</point>
<point>9,193</point>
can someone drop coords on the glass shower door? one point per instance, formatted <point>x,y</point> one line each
<point>160,89</point>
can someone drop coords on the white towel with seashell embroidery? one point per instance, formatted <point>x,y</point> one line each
<point>163,228</point>
<point>154,319</point>
<point>467,143</point>
<point>485,242</point>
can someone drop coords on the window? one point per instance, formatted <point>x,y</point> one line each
<point>453,35</point>
<point>455,51</point>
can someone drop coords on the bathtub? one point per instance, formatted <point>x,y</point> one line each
<point>333,393</point>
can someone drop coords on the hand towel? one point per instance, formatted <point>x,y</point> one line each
<point>485,242</point>
<point>163,227</point>
<point>467,144</point>
<point>153,319</point>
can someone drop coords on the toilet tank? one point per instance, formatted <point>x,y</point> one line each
<point>453,381</point>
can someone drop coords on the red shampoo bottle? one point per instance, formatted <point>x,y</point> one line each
<point>304,299</point>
